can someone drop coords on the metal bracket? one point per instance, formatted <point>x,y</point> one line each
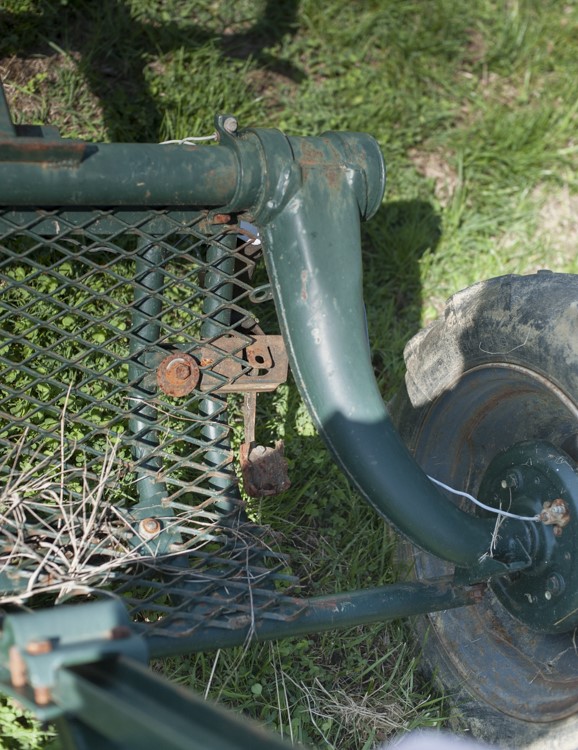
<point>264,468</point>
<point>34,646</point>
<point>266,355</point>
<point>228,364</point>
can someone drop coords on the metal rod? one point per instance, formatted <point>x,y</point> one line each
<point>145,332</point>
<point>324,613</point>
<point>119,174</point>
<point>217,319</point>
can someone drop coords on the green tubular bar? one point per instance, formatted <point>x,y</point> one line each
<point>314,261</point>
<point>146,313</point>
<point>328,613</point>
<point>124,175</point>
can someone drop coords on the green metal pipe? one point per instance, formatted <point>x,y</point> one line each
<point>321,614</point>
<point>128,174</point>
<point>217,318</point>
<point>313,256</point>
<point>145,331</point>
<point>122,704</point>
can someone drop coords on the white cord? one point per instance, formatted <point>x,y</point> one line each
<point>481,505</point>
<point>190,140</point>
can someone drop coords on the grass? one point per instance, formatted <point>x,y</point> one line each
<point>475,107</point>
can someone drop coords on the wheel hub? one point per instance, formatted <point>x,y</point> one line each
<point>537,479</point>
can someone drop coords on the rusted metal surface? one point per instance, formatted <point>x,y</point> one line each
<point>178,374</point>
<point>250,416</point>
<point>40,151</point>
<point>17,668</point>
<point>230,365</point>
<point>119,633</point>
<point>35,648</point>
<point>42,695</point>
<point>264,469</point>
<point>227,365</point>
<point>259,355</point>
<point>220,219</point>
<point>555,514</point>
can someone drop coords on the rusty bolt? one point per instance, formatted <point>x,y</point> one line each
<point>35,648</point>
<point>178,374</point>
<point>17,667</point>
<point>555,514</point>
<point>512,481</point>
<point>149,527</point>
<point>221,219</point>
<point>119,633</point>
<point>182,372</point>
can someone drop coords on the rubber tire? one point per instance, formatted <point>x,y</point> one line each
<point>500,366</point>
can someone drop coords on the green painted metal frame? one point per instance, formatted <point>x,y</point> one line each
<point>307,196</point>
<point>122,704</point>
<point>41,643</point>
<point>84,667</point>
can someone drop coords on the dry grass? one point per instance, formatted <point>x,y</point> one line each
<point>379,714</point>
<point>68,543</point>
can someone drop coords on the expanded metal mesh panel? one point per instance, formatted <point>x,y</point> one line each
<point>125,337</point>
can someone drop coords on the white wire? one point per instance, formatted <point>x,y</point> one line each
<point>190,140</point>
<point>480,504</point>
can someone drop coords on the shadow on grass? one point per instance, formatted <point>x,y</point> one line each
<point>112,48</point>
<point>393,242</point>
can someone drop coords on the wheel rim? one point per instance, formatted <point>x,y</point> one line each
<point>530,676</point>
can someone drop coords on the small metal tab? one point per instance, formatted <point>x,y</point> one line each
<point>264,468</point>
<point>231,365</point>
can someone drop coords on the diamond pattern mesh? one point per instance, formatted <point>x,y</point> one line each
<point>107,480</point>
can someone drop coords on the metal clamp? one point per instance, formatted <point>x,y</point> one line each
<point>34,646</point>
